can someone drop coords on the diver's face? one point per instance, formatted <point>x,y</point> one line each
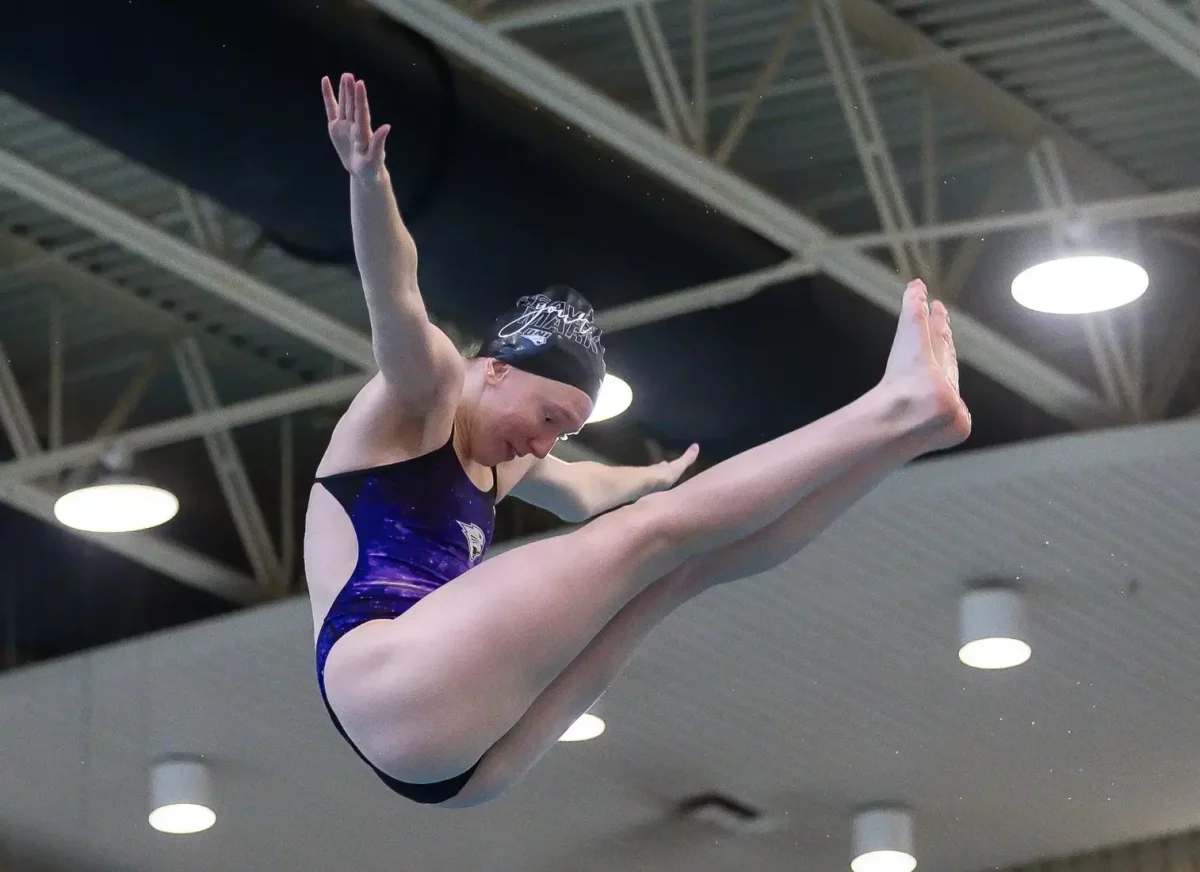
<point>527,414</point>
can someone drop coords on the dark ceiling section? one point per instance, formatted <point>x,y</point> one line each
<point>224,96</point>
<point>503,199</point>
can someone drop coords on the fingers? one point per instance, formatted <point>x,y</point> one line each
<point>331,106</point>
<point>375,149</point>
<point>362,115</point>
<point>350,106</point>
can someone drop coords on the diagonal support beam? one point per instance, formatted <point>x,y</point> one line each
<point>1166,29</point>
<point>188,427</point>
<point>556,91</point>
<point>1053,190</point>
<point>766,77</point>
<point>231,471</point>
<point>174,255</point>
<point>870,142</point>
<point>125,406</point>
<point>227,282</point>
<point>559,12</point>
<point>15,417</point>
<point>172,560</point>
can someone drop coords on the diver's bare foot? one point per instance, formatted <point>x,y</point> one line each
<point>922,370</point>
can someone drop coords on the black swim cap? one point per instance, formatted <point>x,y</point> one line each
<point>552,334</point>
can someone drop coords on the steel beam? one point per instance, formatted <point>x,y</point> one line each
<point>172,560</point>
<point>874,155</point>
<point>1053,190</point>
<point>1167,30</point>
<point>950,78</point>
<point>193,265</point>
<point>226,459</point>
<point>188,427</point>
<point>15,417</point>
<point>700,71</point>
<point>695,299</point>
<point>655,76</point>
<point>125,406</point>
<point>203,270</point>
<point>559,12</point>
<point>556,91</point>
<point>767,74</point>
<point>1169,204</point>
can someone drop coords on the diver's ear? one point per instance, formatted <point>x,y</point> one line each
<point>494,371</point>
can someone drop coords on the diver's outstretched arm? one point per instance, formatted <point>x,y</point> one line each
<point>417,360</point>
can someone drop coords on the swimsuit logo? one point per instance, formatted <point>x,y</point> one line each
<point>540,318</point>
<point>474,541</point>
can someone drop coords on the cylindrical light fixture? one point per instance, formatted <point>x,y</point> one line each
<point>116,502</point>
<point>991,629</point>
<point>181,796</point>
<point>883,840</point>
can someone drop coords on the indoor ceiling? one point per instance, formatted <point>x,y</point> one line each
<point>175,260</point>
<point>804,693</point>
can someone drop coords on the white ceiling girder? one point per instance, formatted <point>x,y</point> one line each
<point>170,559</point>
<point>230,469</point>
<point>174,561</point>
<point>1160,26</point>
<point>190,263</point>
<point>186,427</point>
<point>566,96</point>
<point>1168,204</point>
<point>695,299</point>
<point>205,271</point>
<point>554,12</point>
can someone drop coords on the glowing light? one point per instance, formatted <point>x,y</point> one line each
<point>586,726</point>
<point>182,818</point>
<point>1079,285</point>
<point>883,841</point>
<point>884,861</point>
<point>991,633</point>
<point>995,653</point>
<point>116,507</point>
<point>181,797</point>
<point>615,397</point>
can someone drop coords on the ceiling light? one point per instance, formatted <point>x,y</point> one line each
<point>587,726</point>
<point>116,502</point>
<point>991,629</point>
<point>180,797</point>
<point>1080,284</point>
<point>615,397</point>
<point>883,841</point>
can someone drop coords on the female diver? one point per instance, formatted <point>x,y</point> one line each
<point>450,676</point>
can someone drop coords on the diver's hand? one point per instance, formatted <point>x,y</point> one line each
<point>349,117</point>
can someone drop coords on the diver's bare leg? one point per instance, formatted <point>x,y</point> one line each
<point>608,654</point>
<point>427,694</point>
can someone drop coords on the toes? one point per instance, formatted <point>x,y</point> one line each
<point>939,318</point>
<point>916,298</point>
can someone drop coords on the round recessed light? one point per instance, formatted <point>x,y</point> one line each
<point>1080,285</point>
<point>116,507</point>
<point>586,726</point>
<point>614,398</point>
